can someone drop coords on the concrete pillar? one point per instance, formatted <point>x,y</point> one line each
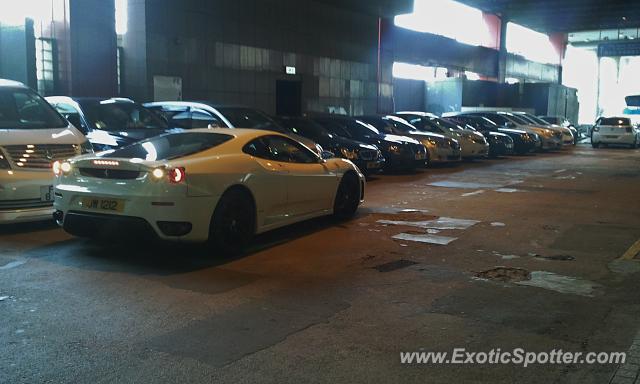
<point>502,52</point>
<point>93,48</point>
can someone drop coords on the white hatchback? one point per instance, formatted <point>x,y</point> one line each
<point>615,131</point>
<point>32,136</point>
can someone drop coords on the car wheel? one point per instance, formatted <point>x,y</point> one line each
<point>233,222</point>
<point>635,143</point>
<point>347,197</point>
<point>594,144</point>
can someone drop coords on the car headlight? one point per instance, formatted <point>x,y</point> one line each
<point>395,149</point>
<point>596,129</point>
<point>4,162</point>
<point>61,167</point>
<point>86,147</point>
<point>349,154</point>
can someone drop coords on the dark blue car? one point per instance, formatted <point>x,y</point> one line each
<point>110,123</point>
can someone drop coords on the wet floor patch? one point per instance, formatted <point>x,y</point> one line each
<point>394,265</point>
<point>504,274</point>
<point>561,284</point>
<point>13,264</point>
<point>506,256</point>
<point>464,185</point>
<point>425,238</point>
<point>479,192</point>
<point>441,223</point>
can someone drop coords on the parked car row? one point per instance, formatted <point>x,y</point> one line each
<point>198,171</point>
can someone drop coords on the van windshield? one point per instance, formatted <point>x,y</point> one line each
<point>21,108</point>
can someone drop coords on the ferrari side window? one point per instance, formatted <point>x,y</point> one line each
<point>286,150</point>
<point>257,148</point>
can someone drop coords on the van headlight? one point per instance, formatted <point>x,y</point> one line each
<point>349,154</point>
<point>395,149</point>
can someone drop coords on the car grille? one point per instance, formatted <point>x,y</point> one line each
<point>40,156</point>
<point>103,173</point>
<point>6,205</point>
<point>368,154</point>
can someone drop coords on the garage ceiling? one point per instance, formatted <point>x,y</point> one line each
<point>388,8</point>
<point>565,15</point>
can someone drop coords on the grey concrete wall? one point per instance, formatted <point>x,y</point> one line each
<point>234,51</point>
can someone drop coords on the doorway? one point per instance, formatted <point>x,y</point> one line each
<point>288,97</point>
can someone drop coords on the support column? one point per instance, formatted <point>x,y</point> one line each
<point>93,48</point>
<point>502,52</point>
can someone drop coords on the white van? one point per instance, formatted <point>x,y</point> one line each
<point>32,136</point>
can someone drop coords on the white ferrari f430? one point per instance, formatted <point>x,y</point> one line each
<point>216,185</point>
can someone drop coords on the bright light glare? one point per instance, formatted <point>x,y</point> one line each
<point>533,45</point>
<point>122,17</point>
<point>413,72</point>
<point>472,76</point>
<point>581,72</point>
<point>511,80</point>
<point>450,19</point>
<point>152,154</point>
<point>17,11</point>
<point>158,173</point>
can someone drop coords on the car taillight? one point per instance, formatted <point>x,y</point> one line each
<point>174,175</point>
<point>177,175</point>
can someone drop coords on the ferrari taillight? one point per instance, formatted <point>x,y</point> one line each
<point>177,175</point>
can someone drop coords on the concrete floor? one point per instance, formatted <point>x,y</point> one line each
<point>317,302</point>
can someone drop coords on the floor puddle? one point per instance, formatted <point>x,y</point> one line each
<point>425,238</point>
<point>561,284</point>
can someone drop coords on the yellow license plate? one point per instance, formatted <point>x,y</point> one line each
<point>102,204</point>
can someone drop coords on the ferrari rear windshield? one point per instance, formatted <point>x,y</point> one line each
<point>170,146</point>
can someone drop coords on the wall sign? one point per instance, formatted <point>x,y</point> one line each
<point>290,70</point>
